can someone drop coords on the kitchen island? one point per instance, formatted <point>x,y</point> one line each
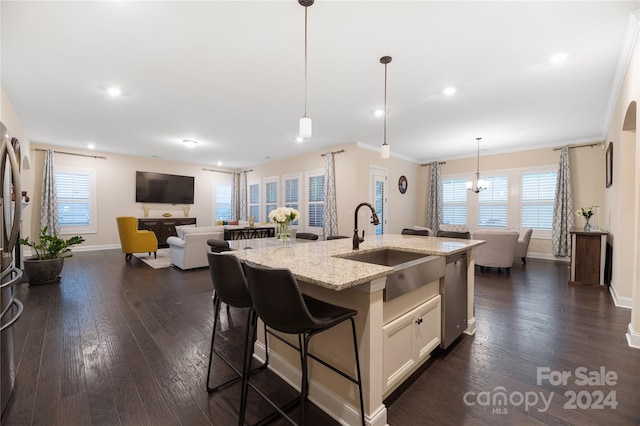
<point>395,336</point>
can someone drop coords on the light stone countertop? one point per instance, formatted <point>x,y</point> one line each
<point>316,262</point>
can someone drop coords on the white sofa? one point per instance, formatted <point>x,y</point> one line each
<point>189,249</point>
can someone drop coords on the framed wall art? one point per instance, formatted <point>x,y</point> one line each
<point>609,165</point>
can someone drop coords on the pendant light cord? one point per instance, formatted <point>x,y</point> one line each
<point>384,142</point>
<point>385,60</point>
<point>478,161</point>
<point>305,60</point>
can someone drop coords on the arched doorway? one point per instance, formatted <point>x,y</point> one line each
<point>629,135</point>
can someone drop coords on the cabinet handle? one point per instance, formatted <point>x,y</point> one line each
<point>419,321</point>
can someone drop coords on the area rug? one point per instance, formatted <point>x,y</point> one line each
<point>163,260</point>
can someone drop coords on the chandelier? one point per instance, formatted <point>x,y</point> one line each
<point>479,184</point>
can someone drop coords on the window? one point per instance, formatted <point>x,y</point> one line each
<point>292,193</point>
<point>76,192</point>
<point>315,200</point>
<point>378,195</point>
<point>222,206</point>
<point>493,203</point>
<point>270,196</point>
<point>538,198</point>
<point>254,201</point>
<point>454,201</point>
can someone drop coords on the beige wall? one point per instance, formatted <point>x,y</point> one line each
<point>622,197</point>
<point>115,177</point>
<point>352,185</point>
<point>116,184</point>
<point>116,187</point>
<point>587,177</point>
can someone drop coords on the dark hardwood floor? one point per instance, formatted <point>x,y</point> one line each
<point>119,343</point>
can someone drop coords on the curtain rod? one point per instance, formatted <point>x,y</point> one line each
<point>333,152</point>
<point>591,145</point>
<point>226,171</point>
<point>73,153</point>
<point>428,164</point>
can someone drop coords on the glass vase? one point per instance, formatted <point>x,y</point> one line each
<point>595,220</point>
<point>283,233</point>
<point>587,225</point>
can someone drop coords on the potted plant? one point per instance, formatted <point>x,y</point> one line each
<point>50,251</point>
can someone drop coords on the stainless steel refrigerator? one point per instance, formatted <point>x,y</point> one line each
<point>10,272</point>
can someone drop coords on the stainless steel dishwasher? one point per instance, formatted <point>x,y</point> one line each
<point>454,298</point>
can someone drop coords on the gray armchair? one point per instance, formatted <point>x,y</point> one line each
<point>498,250</point>
<point>524,238</point>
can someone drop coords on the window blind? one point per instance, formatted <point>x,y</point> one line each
<point>538,196</point>
<point>223,201</point>
<point>316,200</point>
<point>493,203</point>
<point>454,201</point>
<point>74,199</point>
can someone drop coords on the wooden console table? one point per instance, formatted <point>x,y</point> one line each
<point>588,253</point>
<point>164,227</point>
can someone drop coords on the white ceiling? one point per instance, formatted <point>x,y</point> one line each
<point>231,75</point>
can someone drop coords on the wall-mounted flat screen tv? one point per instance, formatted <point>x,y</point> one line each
<point>163,188</point>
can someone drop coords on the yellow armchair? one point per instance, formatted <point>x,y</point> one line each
<point>134,240</point>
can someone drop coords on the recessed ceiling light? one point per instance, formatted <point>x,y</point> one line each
<point>219,163</point>
<point>449,90</point>
<point>558,58</point>
<point>299,139</point>
<point>91,146</point>
<point>114,91</point>
<point>189,143</point>
<point>378,112</point>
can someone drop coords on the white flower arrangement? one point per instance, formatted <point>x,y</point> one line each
<point>283,215</point>
<point>585,212</point>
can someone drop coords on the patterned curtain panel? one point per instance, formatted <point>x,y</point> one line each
<point>235,196</point>
<point>434,197</point>
<point>563,209</point>
<point>49,199</point>
<point>330,215</point>
<point>242,194</point>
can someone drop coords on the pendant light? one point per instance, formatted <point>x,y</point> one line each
<point>479,184</point>
<point>385,150</point>
<point>305,122</point>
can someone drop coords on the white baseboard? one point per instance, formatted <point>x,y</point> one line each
<point>633,337</point>
<point>471,327</point>
<point>620,301</point>
<point>322,397</point>
<point>546,256</point>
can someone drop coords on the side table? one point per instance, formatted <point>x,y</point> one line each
<point>588,253</point>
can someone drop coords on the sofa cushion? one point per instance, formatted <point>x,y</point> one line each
<point>181,228</point>
<point>202,230</point>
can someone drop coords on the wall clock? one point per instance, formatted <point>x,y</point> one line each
<point>402,184</point>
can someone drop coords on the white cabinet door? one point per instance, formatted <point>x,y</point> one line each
<point>428,327</point>
<point>409,339</point>
<point>398,358</point>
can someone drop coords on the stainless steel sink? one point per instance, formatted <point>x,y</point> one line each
<point>410,270</point>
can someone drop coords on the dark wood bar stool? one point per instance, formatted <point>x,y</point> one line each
<point>278,302</point>
<point>230,287</point>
